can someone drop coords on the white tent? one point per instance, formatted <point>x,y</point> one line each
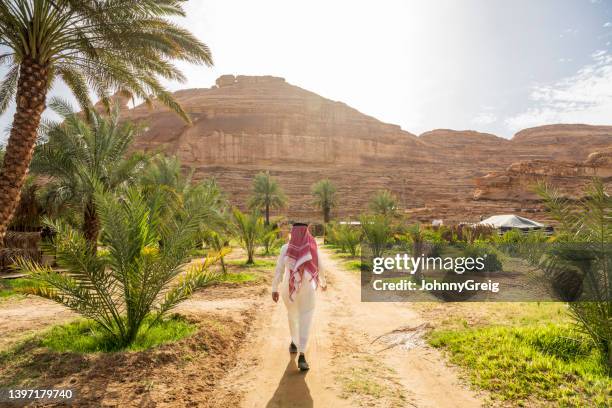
<point>511,221</point>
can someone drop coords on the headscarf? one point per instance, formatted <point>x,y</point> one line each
<point>302,255</point>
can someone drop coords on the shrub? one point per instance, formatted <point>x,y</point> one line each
<point>349,238</point>
<point>377,232</point>
<point>271,239</point>
<point>137,276</point>
<point>384,203</point>
<point>582,253</point>
<point>248,229</point>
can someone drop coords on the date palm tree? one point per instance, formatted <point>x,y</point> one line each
<point>103,46</point>
<point>267,194</point>
<point>384,203</point>
<point>248,229</point>
<point>324,192</point>
<point>141,273</point>
<point>83,156</point>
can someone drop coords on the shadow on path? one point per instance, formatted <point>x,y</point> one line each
<point>292,390</point>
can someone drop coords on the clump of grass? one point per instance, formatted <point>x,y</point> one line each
<point>551,363</point>
<point>241,277</point>
<point>10,287</point>
<point>85,336</point>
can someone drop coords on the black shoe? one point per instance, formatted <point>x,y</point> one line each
<point>292,348</point>
<point>302,364</point>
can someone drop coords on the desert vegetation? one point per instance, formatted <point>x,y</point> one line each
<point>86,45</point>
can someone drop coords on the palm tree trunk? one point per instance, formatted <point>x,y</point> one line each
<point>267,214</point>
<point>91,224</point>
<point>326,213</point>
<point>31,95</point>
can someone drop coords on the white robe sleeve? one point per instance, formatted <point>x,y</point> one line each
<point>280,269</point>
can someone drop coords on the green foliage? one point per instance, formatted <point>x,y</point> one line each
<point>348,238</point>
<point>140,273</point>
<point>324,193</point>
<point>384,203</point>
<point>482,249</point>
<point>84,155</point>
<point>242,277</point>
<point>31,208</point>
<point>553,364</point>
<point>105,46</point>
<point>9,287</point>
<point>267,194</point>
<point>582,252</point>
<point>85,336</point>
<point>377,232</point>
<point>166,171</point>
<point>271,239</point>
<point>248,228</point>
<point>164,177</point>
<point>220,244</point>
<point>512,237</point>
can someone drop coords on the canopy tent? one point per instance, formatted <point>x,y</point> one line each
<point>510,221</point>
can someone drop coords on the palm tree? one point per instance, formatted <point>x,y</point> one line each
<point>384,203</point>
<point>267,194</point>
<point>82,157</point>
<point>324,192</point>
<point>248,228</point>
<point>135,277</point>
<point>167,171</point>
<point>578,262</point>
<point>103,46</point>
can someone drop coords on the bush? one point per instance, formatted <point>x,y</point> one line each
<point>271,239</point>
<point>377,232</point>
<point>348,237</point>
<point>248,229</point>
<point>582,253</point>
<point>138,276</point>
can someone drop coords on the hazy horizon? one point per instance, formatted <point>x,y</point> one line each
<point>490,66</point>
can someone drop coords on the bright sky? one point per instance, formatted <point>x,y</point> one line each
<point>491,65</point>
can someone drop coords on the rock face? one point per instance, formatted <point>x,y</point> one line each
<point>569,178</point>
<point>245,124</point>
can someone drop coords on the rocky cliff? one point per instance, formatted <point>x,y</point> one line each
<point>245,124</point>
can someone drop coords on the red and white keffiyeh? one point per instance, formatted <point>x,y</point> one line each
<point>302,255</point>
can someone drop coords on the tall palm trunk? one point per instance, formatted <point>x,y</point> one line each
<point>267,214</point>
<point>326,214</point>
<point>31,94</point>
<point>91,224</point>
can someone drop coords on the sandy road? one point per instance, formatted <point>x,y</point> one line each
<point>341,348</point>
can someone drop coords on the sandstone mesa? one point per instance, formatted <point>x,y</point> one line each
<point>245,124</point>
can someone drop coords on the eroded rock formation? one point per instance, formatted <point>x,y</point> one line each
<point>245,124</point>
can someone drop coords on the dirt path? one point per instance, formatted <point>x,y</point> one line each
<point>347,370</point>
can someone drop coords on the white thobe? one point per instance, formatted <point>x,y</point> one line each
<point>301,308</point>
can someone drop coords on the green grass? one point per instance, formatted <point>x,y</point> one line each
<point>259,263</point>
<point>241,277</point>
<point>85,336</point>
<point>9,287</point>
<point>551,363</point>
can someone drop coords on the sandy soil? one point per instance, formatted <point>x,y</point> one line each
<point>347,368</point>
<point>361,354</point>
<point>22,316</point>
